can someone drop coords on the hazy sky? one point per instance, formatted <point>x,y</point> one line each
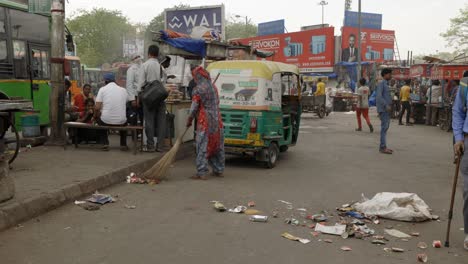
<point>417,23</point>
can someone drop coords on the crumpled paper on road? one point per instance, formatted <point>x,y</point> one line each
<point>407,207</point>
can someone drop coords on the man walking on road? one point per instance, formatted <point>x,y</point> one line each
<point>384,106</point>
<point>153,114</point>
<point>363,105</point>
<point>460,133</point>
<point>405,103</point>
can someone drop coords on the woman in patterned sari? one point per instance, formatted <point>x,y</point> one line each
<point>210,137</point>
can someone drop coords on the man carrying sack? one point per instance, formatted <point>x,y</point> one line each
<point>460,132</point>
<point>152,95</point>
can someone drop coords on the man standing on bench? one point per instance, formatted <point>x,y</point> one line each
<point>111,104</point>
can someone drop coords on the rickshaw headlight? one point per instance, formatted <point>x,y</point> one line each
<point>253,125</point>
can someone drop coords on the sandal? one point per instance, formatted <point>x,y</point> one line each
<point>466,243</point>
<point>386,151</point>
<point>218,174</point>
<point>203,178</point>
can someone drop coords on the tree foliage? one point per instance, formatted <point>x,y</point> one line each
<point>457,34</point>
<point>99,35</point>
<point>236,29</point>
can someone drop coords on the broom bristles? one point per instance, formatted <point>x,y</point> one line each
<point>158,171</point>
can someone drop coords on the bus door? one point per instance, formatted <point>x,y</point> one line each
<point>39,76</point>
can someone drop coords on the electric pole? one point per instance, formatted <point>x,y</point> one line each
<point>323,4</point>
<point>359,46</point>
<point>57,100</point>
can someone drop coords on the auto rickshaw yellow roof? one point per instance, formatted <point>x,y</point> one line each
<point>262,69</point>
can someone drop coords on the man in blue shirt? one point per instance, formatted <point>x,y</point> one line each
<point>460,133</point>
<point>384,106</point>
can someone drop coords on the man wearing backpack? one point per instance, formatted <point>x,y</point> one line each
<point>460,133</point>
<point>153,113</point>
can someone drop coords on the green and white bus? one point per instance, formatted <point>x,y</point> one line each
<point>25,56</point>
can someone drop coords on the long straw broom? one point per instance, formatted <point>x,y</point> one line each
<point>158,171</point>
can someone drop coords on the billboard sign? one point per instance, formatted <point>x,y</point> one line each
<point>183,20</point>
<point>311,51</point>
<point>271,28</point>
<point>401,73</point>
<point>420,70</point>
<point>241,89</point>
<point>368,20</point>
<point>377,45</point>
<point>448,72</point>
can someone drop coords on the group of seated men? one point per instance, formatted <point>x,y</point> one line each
<point>107,109</point>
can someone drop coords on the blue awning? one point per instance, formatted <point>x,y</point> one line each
<point>322,74</point>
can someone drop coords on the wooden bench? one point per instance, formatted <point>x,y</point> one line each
<point>133,129</point>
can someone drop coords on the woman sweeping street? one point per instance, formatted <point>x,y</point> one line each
<point>210,137</point>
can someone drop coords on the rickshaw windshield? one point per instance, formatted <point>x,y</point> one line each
<point>240,89</point>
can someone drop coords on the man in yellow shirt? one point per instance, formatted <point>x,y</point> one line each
<point>405,102</point>
<point>320,88</point>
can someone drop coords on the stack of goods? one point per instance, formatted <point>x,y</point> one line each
<point>174,94</point>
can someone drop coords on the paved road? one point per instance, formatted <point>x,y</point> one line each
<point>174,222</point>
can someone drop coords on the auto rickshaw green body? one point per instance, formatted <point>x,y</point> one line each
<point>260,107</point>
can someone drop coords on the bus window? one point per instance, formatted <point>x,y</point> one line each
<point>45,64</point>
<point>30,27</point>
<point>3,51</point>
<point>19,59</point>
<point>36,63</point>
<point>2,21</point>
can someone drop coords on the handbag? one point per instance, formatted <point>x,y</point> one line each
<point>153,93</point>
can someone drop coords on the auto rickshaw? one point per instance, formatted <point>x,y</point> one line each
<point>260,107</point>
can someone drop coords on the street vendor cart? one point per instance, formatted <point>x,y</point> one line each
<point>446,73</point>
<point>192,51</point>
<point>419,73</point>
<point>316,104</point>
<point>344,101</point>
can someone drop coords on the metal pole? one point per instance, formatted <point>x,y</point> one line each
<point>57,104</point>
<point>323,13</point>
<point>246,25</point>
<point>359,45</point>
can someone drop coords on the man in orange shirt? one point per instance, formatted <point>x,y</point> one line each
<point>405,102</point>
<point>80,99</point>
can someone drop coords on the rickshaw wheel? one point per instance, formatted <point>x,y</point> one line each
<point>322,111</point>
<point>15,140</point>
<point>273,153</point>
<point>284,149</point>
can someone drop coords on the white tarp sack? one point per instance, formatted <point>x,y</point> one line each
<point>397,206</point>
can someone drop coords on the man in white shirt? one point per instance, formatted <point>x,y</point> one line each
<point>153,115</point>
<point>135,111</point>
<point>111,104</point>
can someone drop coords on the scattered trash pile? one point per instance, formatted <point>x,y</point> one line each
<point>357,220</point>
<point>95,201</point>
<point>134,179</point>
